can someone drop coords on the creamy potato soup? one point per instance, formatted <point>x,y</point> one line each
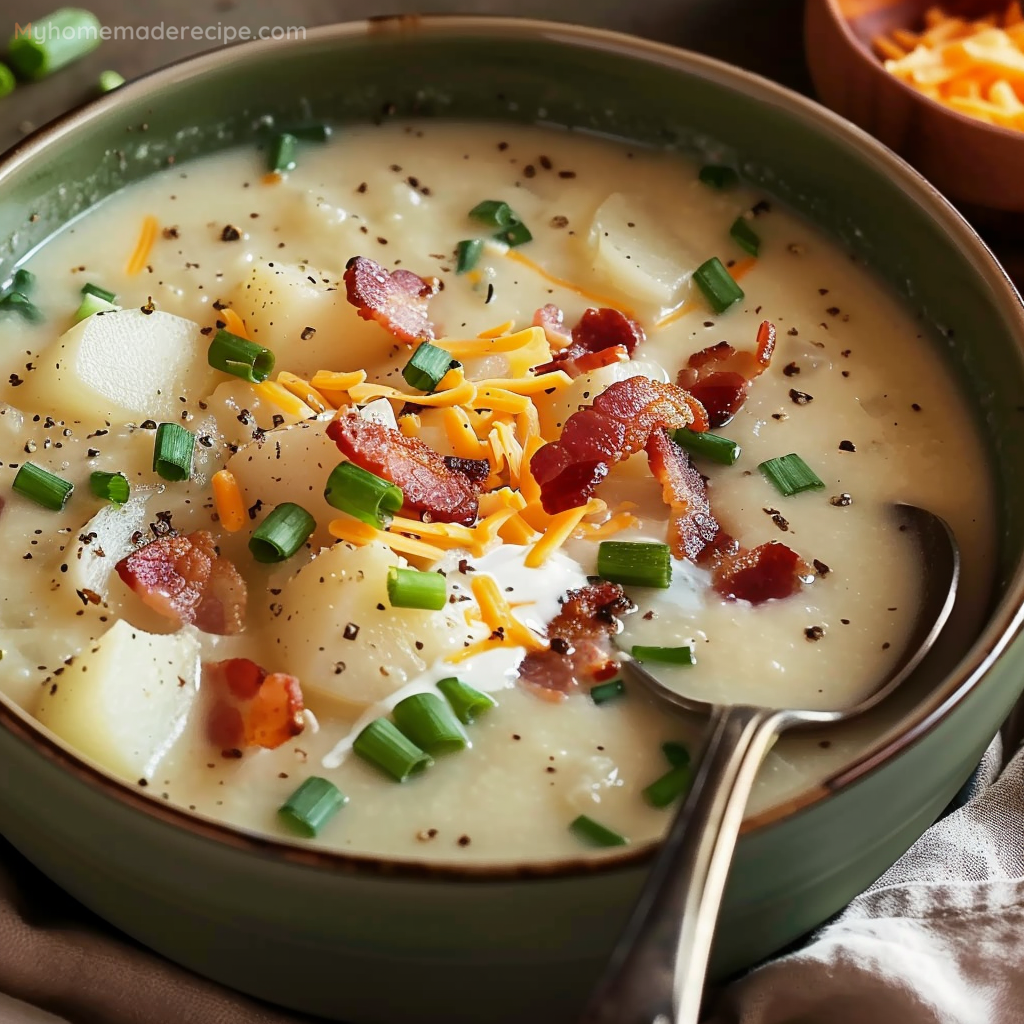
<point>364,470</point>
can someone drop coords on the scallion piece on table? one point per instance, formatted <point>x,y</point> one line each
<point>718,176</point>
<point>8,82</point>
<point>311,806</point>
<point>109,81</point>
<point>495,214</point>
<point>790,475</point>
<point>113,487</point>
<point>240,357</point>
<point>634,564</point>
<point>665,655</point>
<point>281,155</point>
<point>603,693</point>
<point>93,304</point>
<point>430,723</point>
<point>282,533</point>
<point>675,753</point>
<point>360,493</point>
<point>101,293</point>
<point>717,284</point>
<point>707,445</point>
<point>467,254</point>
<point>54,42</point>
<point>311,132</point>
<point>173,451</point>
<point>42,487</point>
<point>745,236</point>
<point>517,234</point>
<point>595,834</point>
<point>385,747</point>
<point>670,787</point>
<point>427,366</point>
<point>19,302</point>
<point>410,588</point>
<point>466,702</point>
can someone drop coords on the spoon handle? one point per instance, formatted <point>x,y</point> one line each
<point>656,974</point>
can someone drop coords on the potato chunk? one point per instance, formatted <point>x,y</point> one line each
<point>125,700</point>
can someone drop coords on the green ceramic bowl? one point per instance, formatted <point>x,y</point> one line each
<point>370,941</point>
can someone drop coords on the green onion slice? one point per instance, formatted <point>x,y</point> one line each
<point>467,254</point>
<point>23,281</point>
<point>717,284</point>
<point>311,806</point>
<point>665,655</point>
<point>281,156</point>
<point>391,751</point>
<point>18,302</point>
<point>430,723</point>
<point>595,834</point>
<point>745,236</point>
<point>311,132</point>
<point>240,357</point>
<point>53,42</point>
<point>410,588</point>
<point>517,234</point>
<point>718,176</point>
<point>635,564</point>
<point>282,533</point>
<point>427,366</point>
<point>113,487</point>
<point>670,787</point>
<point>109,81</point>
<point>791,475</point>
<point>360,493</point>
<point>8,82</point>
<point>605,692</point>
<point>466,702</point>
<point>93,304</point>
<point>101,293</point>
<point>173,451</point>
<point>675,753</point>
<point>707,445</point>
<point>42,487</point>
<point>495,214</point>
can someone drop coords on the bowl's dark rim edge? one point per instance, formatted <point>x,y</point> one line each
<point>1005,623</point>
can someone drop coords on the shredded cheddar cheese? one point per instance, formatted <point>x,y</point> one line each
<point>601,300</point>
<point>499,400</point>
<point>410,424</point>
<point>463,394</point>
<point>273,392</point>
<point>599,531</point>
<point>304,391</point>
<point>497,614</point>
<point>503,497</point>
<point>461,435</point>
<point>516,530</point>
<point>558,532</point>
<point>497,332</point>
<point>227,496</point>
<point>233,323</point>
<point>539,384</point>
<point>358,533</point>
<point>140,254</point>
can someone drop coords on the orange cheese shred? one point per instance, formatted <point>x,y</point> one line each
<point>227,496</point>
<point>143,246</point>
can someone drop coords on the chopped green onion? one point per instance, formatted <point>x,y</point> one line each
<point>467,254</point>
<point>517,234</point>
<point>410,588</point>
<point>676,754</point>
<point>707,445</point>
<point>717,284</point>
<point>718,176</point>
<point>172,452</point>
<point>427,366</point>
<point>791,475</point>
<point>430,724</point>
<point>634,564</point>
<point>101,293</point>
<point>18,302</point>
<point>240,357</point>
<point>311,132</point>
<point>282,533</point>
<point>595,834</point>
<point>745,236</point>
<point>49,44</point>
<point>282,152</point>
<point>93,304</point>
<point>109,81</point>
<point>23,281</point>
<point>391,751</point>
<point>42,487</point>
<point>495,214</point>
<point>665,655</point>
<point>113,487</point>
<point>362,494</point>
<point>466,702</point>
<point>311,806</point>
<point>7,80</point>
<point>605,692</point>
<point>670,787</point>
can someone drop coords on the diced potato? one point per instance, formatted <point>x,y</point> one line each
<point>335,629</point>
<point>123,366</point>
<point>125,700</point>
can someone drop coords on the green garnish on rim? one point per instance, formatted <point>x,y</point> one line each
<point>635,564</point>
<point>466,702</point>
<point>790,475</point>
<point>718,176</point>
<point>240,357</point>
<point>109,81</point>
<point>410,588</point>
<point>430,723</point>
<point>281,154</point>
<point>427,367</point>
<point>42,487</point>
<point>311,806</point>
<point>173,451</point>
<point>717,284</point>
<point>282,533</point>
<point>54,42</point>
<point>363,495</point>
<point>595,834</point>
<point>675,753</point>
<point>385,747</point>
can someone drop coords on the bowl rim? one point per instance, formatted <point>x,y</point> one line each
<point>1003,625</point>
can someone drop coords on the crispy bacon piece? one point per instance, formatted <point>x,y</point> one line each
<point>431,487</point>
<point>603,336</point>
<point>186,580</point>
<point>719,377</point>
<point>397,299</point>
<point>769,571</point>
<point>581,652</point>
<point>615,425</point>
<point>252,708</point>
<point>478,470</point>
<point>552,320</point>
<point>692,526</point>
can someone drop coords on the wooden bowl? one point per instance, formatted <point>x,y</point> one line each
<point>978,165</point>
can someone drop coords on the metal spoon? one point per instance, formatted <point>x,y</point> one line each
<point>656,974</point>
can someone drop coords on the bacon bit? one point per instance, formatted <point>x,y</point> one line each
<point>617,424</point>
<point>430,486</point>
<point>186,580</point>
<point>252,708</point>
<point>692,526</point>
<point>769,571</point>
<point>478,470</point>
<point>552,320</point>
<point>580,653</point>
<point>397,299</point>
<point>598,331</point>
